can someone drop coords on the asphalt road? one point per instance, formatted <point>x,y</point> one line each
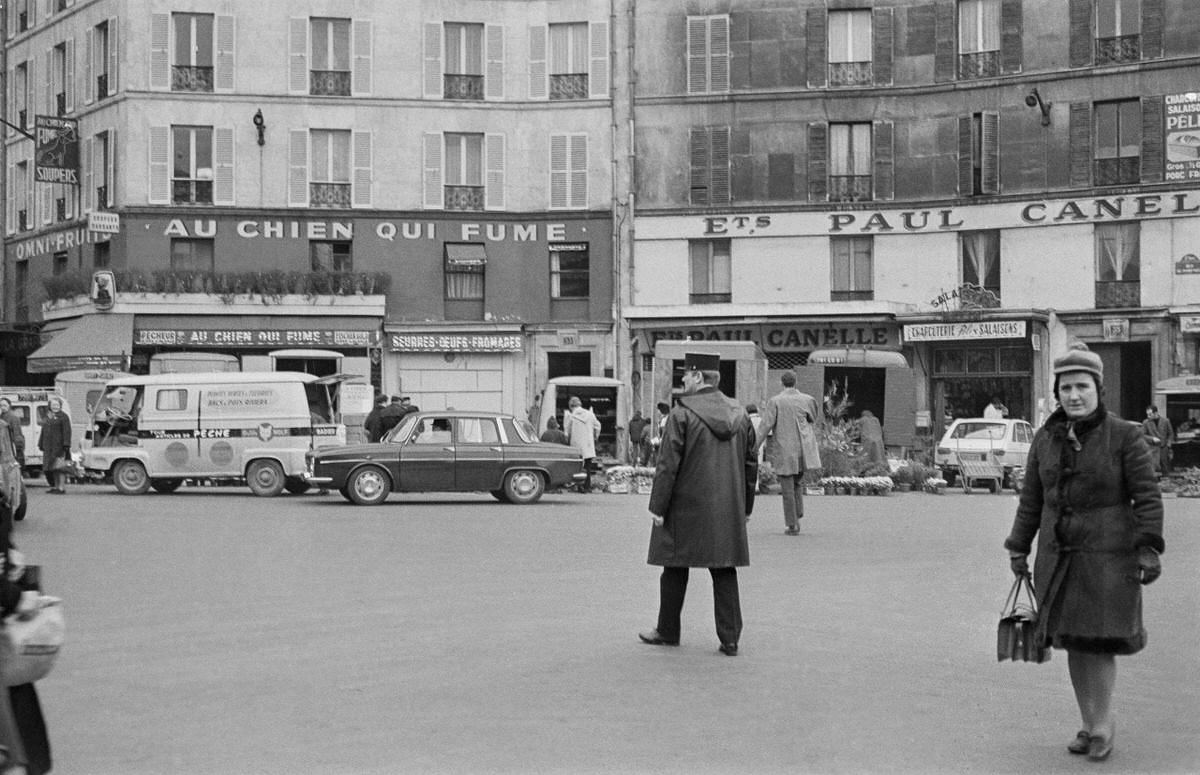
<point>213,632</point>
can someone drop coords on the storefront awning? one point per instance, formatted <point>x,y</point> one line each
<point>875,359</point>
<point>465,255</point>
<point>91,342</point>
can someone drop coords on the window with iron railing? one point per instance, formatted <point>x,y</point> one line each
<point>981,64</point>
<point>850,162</point>
<point>329,194</point>
<point>569,61</point>
<point>1118,31</point>
<point>569,86</point>
<point>1123,48</point>
<point>191,78</point>
<point>463,76</point>
<point>101,196</point>
<point>978,38</point>
<point>849,188</point>
<point>851,74</point>
<point>464,197</point>
<point>1118,264</point>
<point>192,192</point>
<point>851,269</point>
<point>192,57</point>
<point>1118,294</point>
<point>1118,131</point>
<point>329,83</point>
<point>850,48</point>
<point>23,220</point>
<point>711,271</point>
<point>330,73</point>
<point>463,87</point>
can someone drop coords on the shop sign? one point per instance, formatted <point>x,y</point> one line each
<point>948,332</point>
<point>782,337</point>
<point>457,343</point>
<point>1189,324</point>
<point>56,152</point>
<point>1116,329</point>
<point>57,242</point>
<point>1183,137</point>
<point>1188,264</point>
<point>192,337</point>
<point>389,231</point>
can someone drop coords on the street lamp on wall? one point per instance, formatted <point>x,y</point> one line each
<point>261,126</point>
<point>1034,100</point>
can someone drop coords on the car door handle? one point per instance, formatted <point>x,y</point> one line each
<point>447,449</point>
<point>496,449</point>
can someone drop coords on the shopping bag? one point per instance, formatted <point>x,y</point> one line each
<point>1016,634</point>
<point>30,642</point>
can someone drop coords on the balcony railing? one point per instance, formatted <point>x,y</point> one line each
<point>851,74</point>
<point>569,86</point>
<point>188,78</point>
<point>462,87</point>
<point>1123,48</point>
<point>60,103</point>
<point>191,192</point>
<point>329,83</point>
<point>1117,172</point>
<point>1122,293</point>
<point>329,194</point>
<point>464,197</point>
<point>852,295</point>
<point>710,298</point>
<point>101,86</point>
<point>849,188</point>
<point>981,64</point>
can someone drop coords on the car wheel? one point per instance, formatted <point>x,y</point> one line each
<point>130,477</point>
<point>368,486</point>
<point>523,486</point>
<point>296,486</point>
<point>500,496</point>
<point>265,478</point>
<point>166,485</point>
<point>345,494</point>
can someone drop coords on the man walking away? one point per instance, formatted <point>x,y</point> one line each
<point>582,429</point>
<point>703,494</point>
<point>788,431</point>
<point>1159,436</point>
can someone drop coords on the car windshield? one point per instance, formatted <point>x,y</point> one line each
<point>985,431</point>
<point>525,430</point>
<point>402,431</point>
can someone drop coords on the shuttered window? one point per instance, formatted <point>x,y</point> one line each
<point>850,162</point>
<point>979,154</point>
<point>709,152</point>
<point>192,165</point>
<point>707,54</point>
<point>568,171</point>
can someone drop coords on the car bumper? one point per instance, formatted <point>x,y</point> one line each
<point>318,480</point>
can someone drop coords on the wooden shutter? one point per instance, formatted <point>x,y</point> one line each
<point>883,149</point>
<point>298,57</point>
<point>110,176</point>
<point>363,52</point>
<point>1080,139</point>
<point>223,186</point>
<point>990,147</point>
<point>433,60</point>
<point>718,54</point>
<point>10,203</point>
<point>48,92</point>
<point>817,44</point>
<point>1081,45</point>
<point>114,58</point>
<point>945,43</point>
<point>1011,30</point>
<point>700,182</point>
<point>493,152</point>
<point>538,78</point>
<point>89,83</point>
<point>719,174</point>
<point>1153,22</point>
<point>362,169</point>
<point>46,201</point>
<point>493,80</point>
<point>598,60</point>
<point>223,80</point>
<point>697,54</point>
<point>432,165</point>
<point>160,58</point>
<point>560,171</point>
<point>966,156</point>
<point>298,168</point>
<point>159,190</point>
<point>818,161</point>
<point>579,171</point>
<point>69,74</point>
<point>1153,152</point>
<point>883,43</point>
<point>89,188</point>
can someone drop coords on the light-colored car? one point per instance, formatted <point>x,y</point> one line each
<point>975,439</point>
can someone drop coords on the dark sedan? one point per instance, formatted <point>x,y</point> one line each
<point>448,452</point>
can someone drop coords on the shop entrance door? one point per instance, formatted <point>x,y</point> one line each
<point>1128,387</point>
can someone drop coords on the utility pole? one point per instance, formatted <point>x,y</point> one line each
<point>4,320</point>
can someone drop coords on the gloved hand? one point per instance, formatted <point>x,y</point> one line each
<point>1019,564</point>
<point>1150,564</point>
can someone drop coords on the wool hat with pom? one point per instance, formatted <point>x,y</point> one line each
<point>1079,358</point>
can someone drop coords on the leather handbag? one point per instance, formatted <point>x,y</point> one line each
<point>1016,635</point>
<point>30,642</point>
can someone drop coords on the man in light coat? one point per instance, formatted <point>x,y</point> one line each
<point>582,429</point>
<point>788,430</point>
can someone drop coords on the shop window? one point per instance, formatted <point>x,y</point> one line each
<point>569,272</point>
<point>192,171</point>
<point>330,256</point>
<point>191,255</point>
<point>850,48</point>
<point>1118,31</point>
<point>329,74</point>
<point>981,267</point>
<point>569,61</point>
<point>464,62</point>
<point>1015,359</point>
<point>851,266</point>
<point>978,38</point>
<point>710,271</point>
<point>709,165</point>
<point>569,364</point>
<point>850,162</point>
<point>948,361</point>
<point>1118,265</point>
<point>778,361</point>
<point>1118,142</point>
<point>192,66</point>
<point>707,54</point>
<point>981,360</point>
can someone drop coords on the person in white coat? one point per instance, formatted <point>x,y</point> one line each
<point>582,429</point>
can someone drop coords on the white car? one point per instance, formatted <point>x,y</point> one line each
<point>975,439</point>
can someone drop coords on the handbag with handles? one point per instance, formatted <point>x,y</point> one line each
<point>1016,635</point>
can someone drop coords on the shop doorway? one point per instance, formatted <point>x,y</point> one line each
<point>568,364</point>
<point>863,386</point>
<point>1128,388</point>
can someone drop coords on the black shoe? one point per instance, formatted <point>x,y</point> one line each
<point>1081,743</point>
<point>654,639</point>
<point>792,531</point>
<point>729,649</point>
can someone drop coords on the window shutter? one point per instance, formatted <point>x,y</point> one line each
<point>160,41</point>
<point>1153,157</point>
<point>1080,47</point>
<point>493,81</point>
<point>69,74</point>
<point>114,58</point>
<point>89,189</point>
<point>718,54</point>
<point>1080,138</point>
<point>432,165</point>
<point>494,154</point>
<point>10,204</point>
<point>223,77</point>
<point>559,171</point>
<point>882,146</point>
<point>11,102</point>
<point>1011,25</point>
<point>298,58</point>
<point>818,162</point>
<point>700,179</point>
<point>160,165</point>
<point>817,43</point>
<point>89,83</point>
<point>945,68</point>
<point>1153,22</point>
<point>50,108</point>
<point>362,169</point>
<point>883,37</point>
<point>363,51</point>
<point>298,168</point>
<point>47,202</point>
<point>697,55</point>
<point>223,186</point>
<point>966,156</point>
<point>579,171</point>
<point>598,60</point>
<point>990,163</point>
<point>110,137</point>
<point>433,61</point>
<point>538,80</point>
<point>719,174</point>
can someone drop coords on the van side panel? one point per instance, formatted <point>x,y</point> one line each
<point>244,422</point>
<point>167,430</point>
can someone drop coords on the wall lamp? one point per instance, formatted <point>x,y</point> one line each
<point>1034,100</point>
<point>261,126</point>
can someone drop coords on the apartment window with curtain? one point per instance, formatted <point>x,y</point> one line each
<point>1118,31</point>
<point>330,71</point>
<point>464,172</point>
<point>850,48</point>
<point>852,271</point>
<point>850,162</point>
<point>1118,131</point>
<point>570,272</point>
<point>465,276</point>
<point>711,271</point>
<point>569,61</point>
<point>1118,265</point>
<point>978,38</point>
<point>192,69</point>
<point>464,61</point>
<point>329,171</point>
<point>980,268</point>
<point>191,255</point>
<point>192,172</point>
<point>328,256</point>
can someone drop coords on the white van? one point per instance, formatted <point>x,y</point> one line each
<point>80,390</point>
<point>156,431</point>
<point>31,405</point>
<point>606,398</point>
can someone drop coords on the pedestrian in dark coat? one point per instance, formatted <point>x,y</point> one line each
<point>55,443</point>
<point>1158,435</point>
<point>1091,498</point>
<point>788,431</point>
<point>15,429</point>
<point>372,425</point>
<point>702,496</point>
<point>390,416</point>
<point>552,434</point>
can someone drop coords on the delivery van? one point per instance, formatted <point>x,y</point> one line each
<point>31,404</point>
<point>157,431</point>
<point>80,390</point>
<point>604,396</point>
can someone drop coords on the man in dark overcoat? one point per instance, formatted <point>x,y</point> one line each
<point>703,494</point>
<point>788,430</point>
<point>372,425</point>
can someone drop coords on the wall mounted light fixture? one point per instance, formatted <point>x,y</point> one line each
<point>1034,100</point>
<point>261,126</point>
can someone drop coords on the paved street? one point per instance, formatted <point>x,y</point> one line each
<point>213,632</point>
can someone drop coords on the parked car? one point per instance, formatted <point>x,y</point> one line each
<point>450,451</point>
<point>1004,442</point>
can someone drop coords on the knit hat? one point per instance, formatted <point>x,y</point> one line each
<point>1079,358</point>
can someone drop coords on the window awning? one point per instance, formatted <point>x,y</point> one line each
<point>876,359</point>
<point>91,342</point>
<point>465,255</point>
